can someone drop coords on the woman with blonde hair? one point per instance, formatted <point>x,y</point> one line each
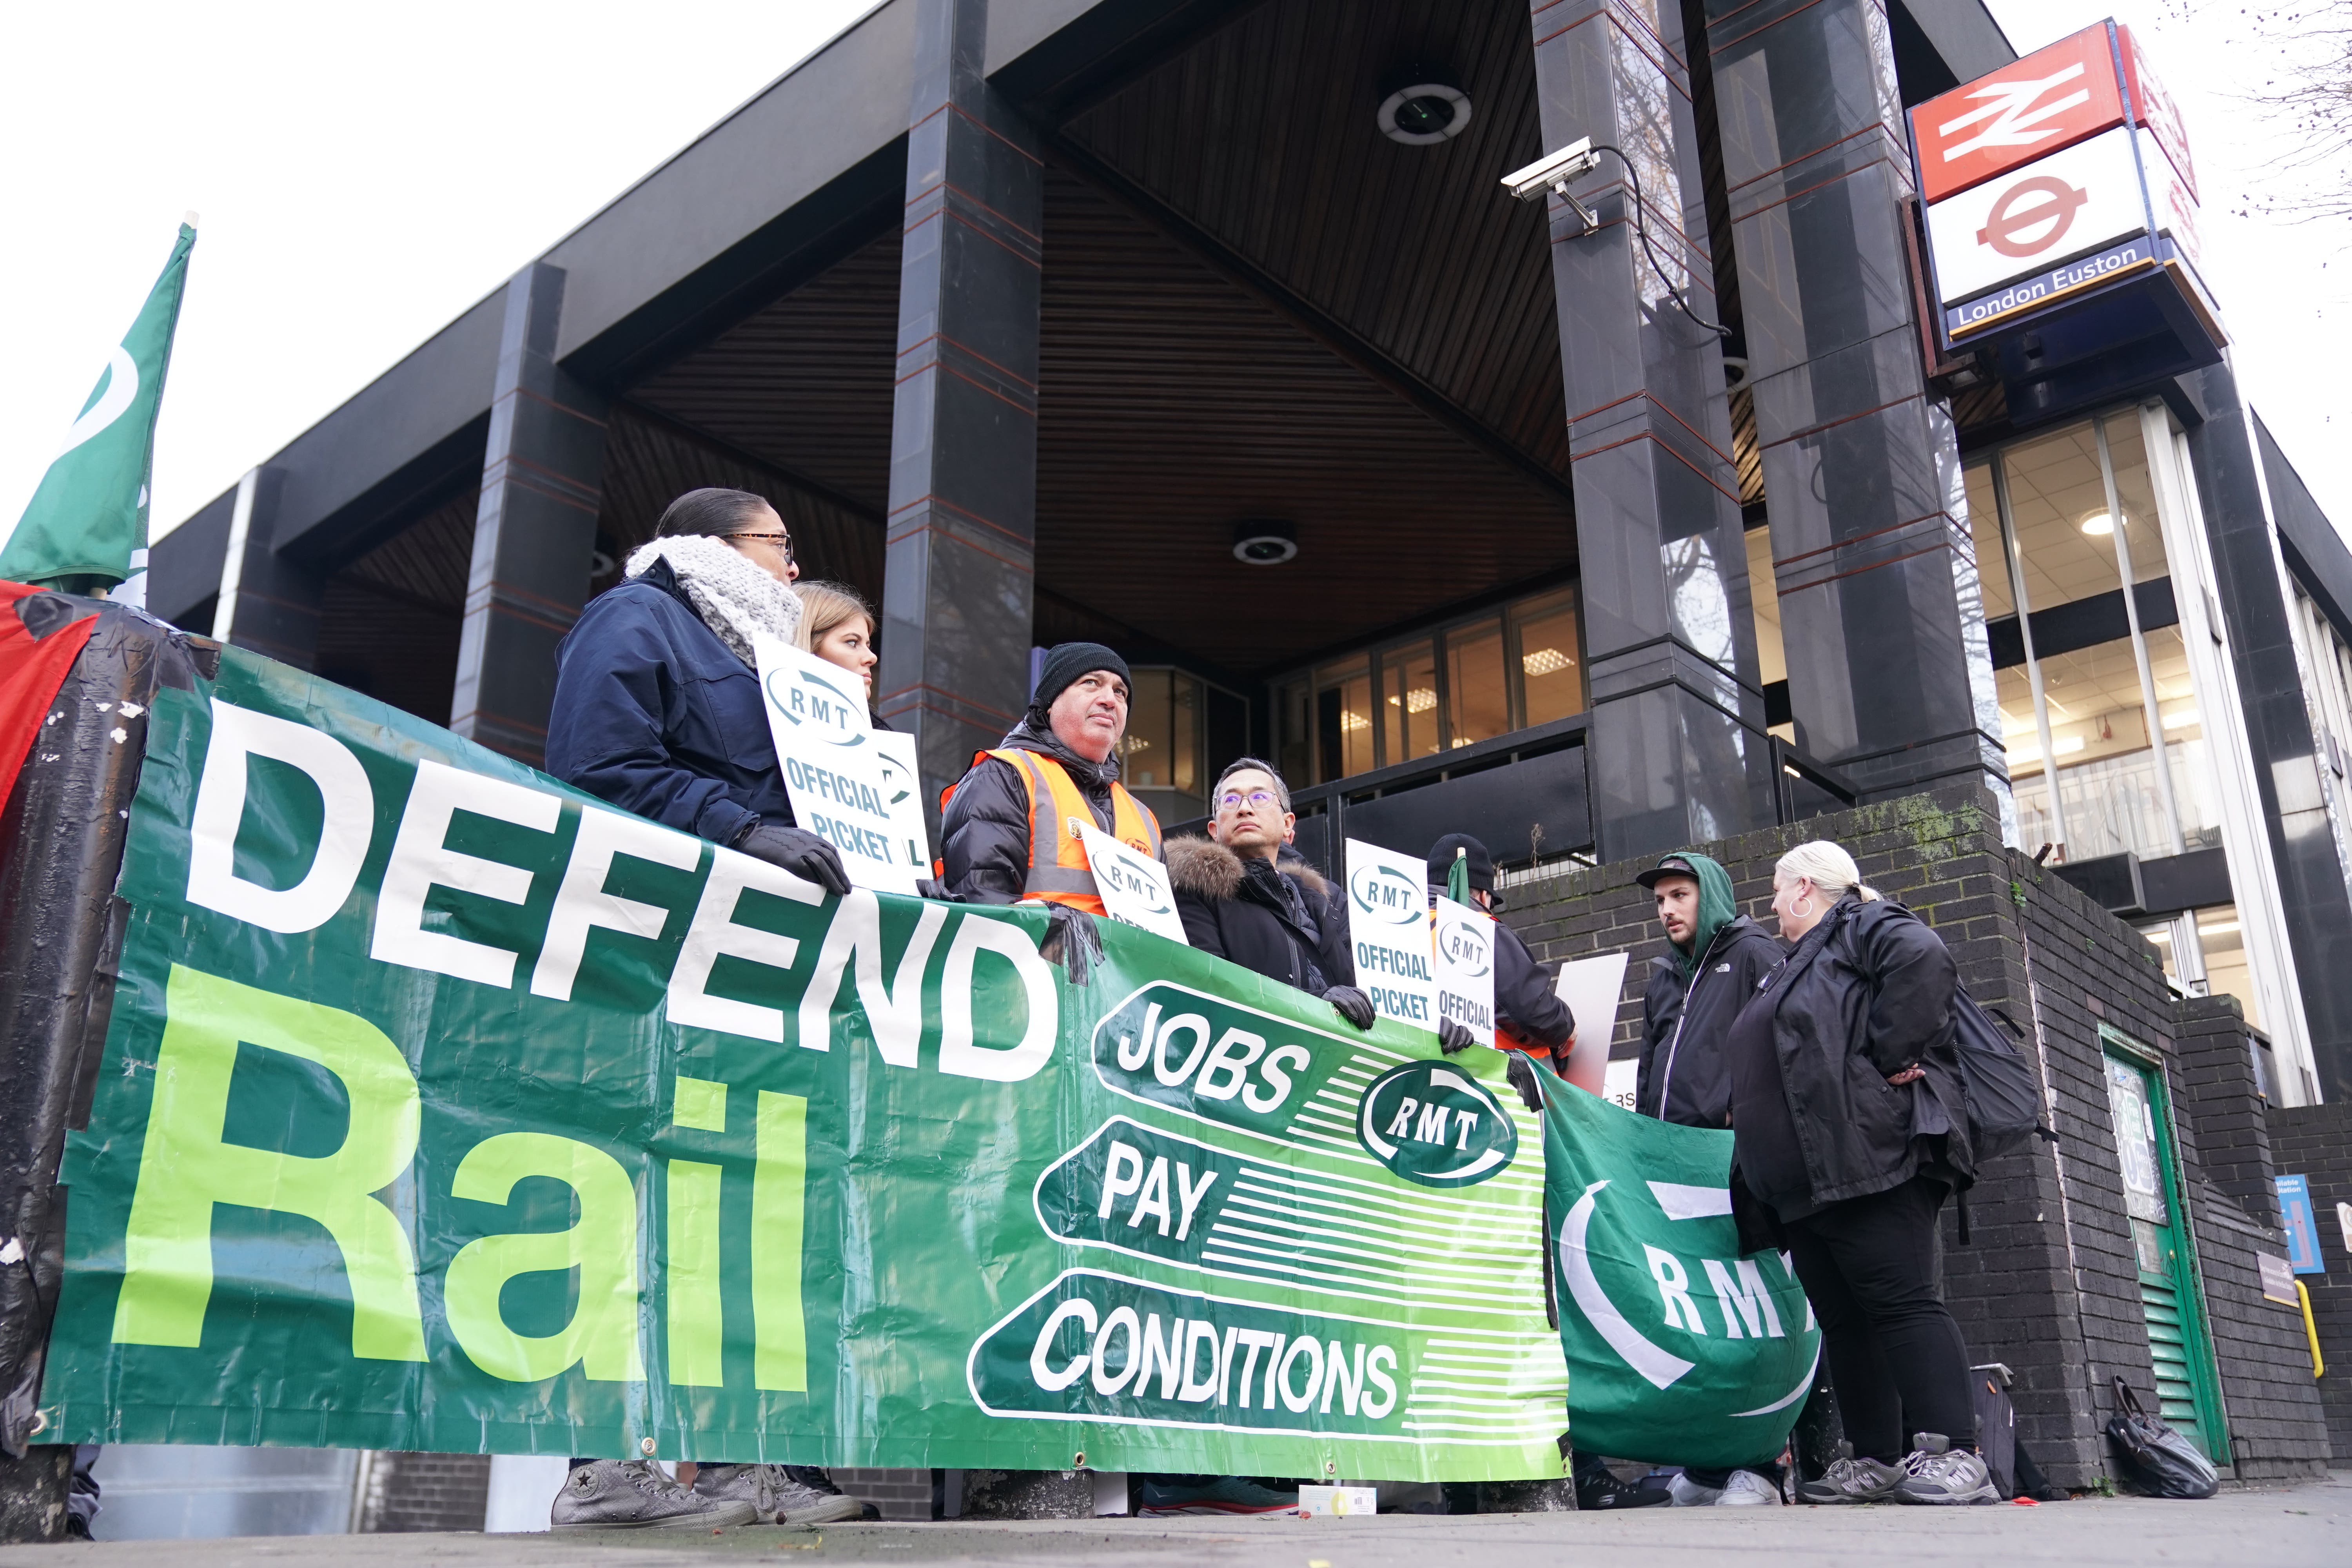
<point>1850,1130</point>
<point>837,626</point>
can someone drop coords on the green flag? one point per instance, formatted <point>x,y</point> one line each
<point>89,517</point>
<point>1457,878</point>
<point>1680,1350</point>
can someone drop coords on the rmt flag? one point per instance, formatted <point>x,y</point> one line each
<point>1679,1350</point>
<point>89,517</point>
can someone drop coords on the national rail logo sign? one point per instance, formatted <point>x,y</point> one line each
<point>1435,1126</point>
<point>2030,219</point>
<point>2030,107</point>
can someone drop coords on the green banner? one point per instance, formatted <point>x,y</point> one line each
<point>1681,1351</point>
<point>444,1108</point>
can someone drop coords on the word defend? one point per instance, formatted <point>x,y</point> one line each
<point>834,771</point>
<point>1388,921</point>
<point>1134,887</point>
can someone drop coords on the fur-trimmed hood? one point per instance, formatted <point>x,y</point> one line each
<point>1207,869</point>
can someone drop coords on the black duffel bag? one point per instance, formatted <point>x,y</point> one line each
<point>2153,1458</point>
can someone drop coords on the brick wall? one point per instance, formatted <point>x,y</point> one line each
<point>2316,1141</point>
<point>2050,1284</point>
<point>408,1491</point>
<point>899,1493</point>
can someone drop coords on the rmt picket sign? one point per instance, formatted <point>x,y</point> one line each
<point>1465,942</point>
<point>1388,921</point>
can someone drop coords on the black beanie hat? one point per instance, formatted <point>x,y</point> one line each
<point>1441,861</point>
<point>1064,665</point>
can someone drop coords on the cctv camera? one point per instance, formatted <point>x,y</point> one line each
<point>1551,176</point>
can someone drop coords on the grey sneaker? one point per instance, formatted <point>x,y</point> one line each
<point>630,1494</point>
<point>779,1494</point>
<point>1939,1473</point>
<point>1849,1479</point>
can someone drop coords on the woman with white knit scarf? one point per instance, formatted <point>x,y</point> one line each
<point>657,710</point>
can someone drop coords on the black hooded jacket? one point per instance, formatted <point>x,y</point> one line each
<point>1866,995</point>
<point>1684,1077</point>
<point>985,832</point>
<point>1281,919</point>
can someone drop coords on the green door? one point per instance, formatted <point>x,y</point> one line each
<point>2177,1343</point>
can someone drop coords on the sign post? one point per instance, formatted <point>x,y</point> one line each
<point>1388,919</point>
<point>833,769</point>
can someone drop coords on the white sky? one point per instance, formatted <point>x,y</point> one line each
<point>365,175</point>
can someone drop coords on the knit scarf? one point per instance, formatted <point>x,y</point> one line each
<point>736,599</point>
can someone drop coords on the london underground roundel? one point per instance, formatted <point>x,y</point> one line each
<point>1432,1124</point>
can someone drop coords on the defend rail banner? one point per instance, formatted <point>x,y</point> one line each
<point>444,1108</point>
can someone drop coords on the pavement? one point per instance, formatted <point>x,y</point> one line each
<point>2269,1526</point>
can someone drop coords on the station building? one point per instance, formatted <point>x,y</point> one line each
<point>1667,506</point>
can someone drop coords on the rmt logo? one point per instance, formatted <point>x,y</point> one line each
<point>1434,1125</point>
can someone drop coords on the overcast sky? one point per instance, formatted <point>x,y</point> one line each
<point>365,175</point>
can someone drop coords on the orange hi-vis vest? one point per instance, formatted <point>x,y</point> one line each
<point>1060,875</point>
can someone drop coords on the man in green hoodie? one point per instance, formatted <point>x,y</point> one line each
<point>1714,956</point>
<point>1714,960</point>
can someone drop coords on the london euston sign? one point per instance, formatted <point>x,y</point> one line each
<point>2057,176</point>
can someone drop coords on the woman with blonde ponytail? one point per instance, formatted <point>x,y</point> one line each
<point>1849,1132</point>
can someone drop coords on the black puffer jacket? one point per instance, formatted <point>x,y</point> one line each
<point>1244,910</point>
<point>1866,995</point>
<point>984,833</point>
<point>1684,1076</point>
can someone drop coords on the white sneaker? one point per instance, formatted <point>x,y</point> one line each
<point>1688,1493</point>
<point>1746,1488</point>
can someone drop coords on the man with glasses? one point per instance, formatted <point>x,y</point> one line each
<point>1242,898</point>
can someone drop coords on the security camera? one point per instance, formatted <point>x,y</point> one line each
<point>1552,174</point>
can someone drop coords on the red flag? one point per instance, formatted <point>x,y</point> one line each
<point>31,670</point>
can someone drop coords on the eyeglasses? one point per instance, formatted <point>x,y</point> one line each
<point>782,542</point>
<point>1255,800</point>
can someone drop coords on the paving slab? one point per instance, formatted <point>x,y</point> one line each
<point>2283,1526</point>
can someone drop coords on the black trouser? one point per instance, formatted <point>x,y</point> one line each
<point>1872,1269</point>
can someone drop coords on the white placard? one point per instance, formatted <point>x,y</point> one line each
<point>1134,887</point>
<point>1388,919</point>
<point>833,770</point>
<point>1464,941</point>
<point>1591,987</point>
<point>2031,218</point>
<point>1621,1079</point>
<point>902,792</point>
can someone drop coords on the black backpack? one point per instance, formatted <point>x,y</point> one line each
<point>2004,1107</point>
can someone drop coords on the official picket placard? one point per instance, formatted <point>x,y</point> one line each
<point>1388,919</point>
<point>444,1107</point>
<point>1134,887</point>
<point>902,785</point>
<point>834,771</point>
<point>1463,940</point>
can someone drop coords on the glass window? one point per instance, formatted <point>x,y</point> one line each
<point>1343,718</point>
<point>1549,670</point>
<point>1764,596</point>
<point>1992,560</point>
<point>1295,751</point>
<point>2058,506</point>
<point>2196,792</point>
<point>1409,717</point>
<point>1143,753</point>
<point>1478,692</point>
<point>2107,773</point>
<point>2135,493</point>
<point>2222,937</point>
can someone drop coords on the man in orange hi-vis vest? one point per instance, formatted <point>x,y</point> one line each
<point>1009,827</point>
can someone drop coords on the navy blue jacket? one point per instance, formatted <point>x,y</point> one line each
<point>654,714</point>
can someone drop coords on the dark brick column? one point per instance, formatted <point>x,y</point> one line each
<point>1677,749</point>
<point>960,573</point>
<point>267,602</point>
<point>535,532</point>
<point>1881,611</point>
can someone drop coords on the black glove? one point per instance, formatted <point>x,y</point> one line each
<point>797,851</point>
<point>1524,1078</point>
<point>1352,1004</point>
<point>931,887</point>
<point>1072,942</point>
<point>1453,1037</point>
